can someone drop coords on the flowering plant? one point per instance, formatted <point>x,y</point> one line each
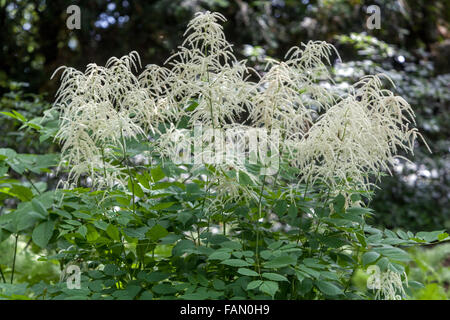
<point>172,192</point>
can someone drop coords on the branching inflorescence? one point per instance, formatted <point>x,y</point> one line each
<point>341,141</point>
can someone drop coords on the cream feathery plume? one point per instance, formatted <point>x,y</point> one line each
<point>206,70</point>
<point>97,109</point>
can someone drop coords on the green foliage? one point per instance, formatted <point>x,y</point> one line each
<point>165,247</point>
<point>428,273</point>
<point>16,107</point>
<point>431,267</point>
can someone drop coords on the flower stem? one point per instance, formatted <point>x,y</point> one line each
<point>129,171</point>
<point>14,259</point>
<point>257,225</point>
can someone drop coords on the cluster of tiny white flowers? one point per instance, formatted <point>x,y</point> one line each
<point>206,69</point>
<point>99,109</point>
<point>357,137</point>
<point>338,140</point>
<point>278,104</point>
<point>391,286</point>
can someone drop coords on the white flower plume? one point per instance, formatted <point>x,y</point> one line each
<point>341,141</point>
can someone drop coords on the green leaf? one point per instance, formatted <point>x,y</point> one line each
<point>247,272</point>
<point>147,295</point>
<point>429,236</point>
<point>339,203</point>
<point>157,174</point>
<point>442,236</point>
<point>305,286</point>
<point>73,222</point>
<point>393,253</point>
<point>92,234</point>
<point>274,276</point>
<point>280,262</point>
<point>21,192</point>
<point>402,234</point>
<point>15,115</point>
<point>218,284</point>
<point>219,255</point>
<point>156,276</point>
<point>164,288</point>
<point>102,225</point>
<point>236,263</point>
<point>4,234</point>
<point>162,205</point>
<point>369,257</point>
<point>184,216</point>
<point>43,233</point>
<point>134,187</point>
<point>361,238</point>
<point>359,211</point>
<point>328,288</point>
<point>309,272</point>
<point>138,233</point>
<point>157,232</point>
<point>254,284</point>
<point>144,180</point>
<point>83,231</point>
<point>231,245</point>
<point>269,287</point>
<point>280,207</point>
<point>415,285</point>
<point>383,264</point>
<point>181,247</point>
<point>292,211</point>
<point>244,179</point>
<point>81,215</point>
<point>113,232</point>
<point>39,208</point>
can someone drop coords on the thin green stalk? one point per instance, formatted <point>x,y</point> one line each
<point>203,206</point>
<point>31,182</point>
<point>129,171</point>
<point>224,224</point>
<point>209,92</point>
<point>103,160</point>
<point>257,225</point>
<point>353,272</point>
<point>307,183</point>
<point>14,259</point>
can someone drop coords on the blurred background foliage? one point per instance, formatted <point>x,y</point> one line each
<point>412,47</point>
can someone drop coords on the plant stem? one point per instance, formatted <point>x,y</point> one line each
<point>103,160</point>
<point>224,225</point>
<point>257,225</point>
<point>353,271</point>
<point>14,259</point>
<point>129,171</point>
<point>31,182</point>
